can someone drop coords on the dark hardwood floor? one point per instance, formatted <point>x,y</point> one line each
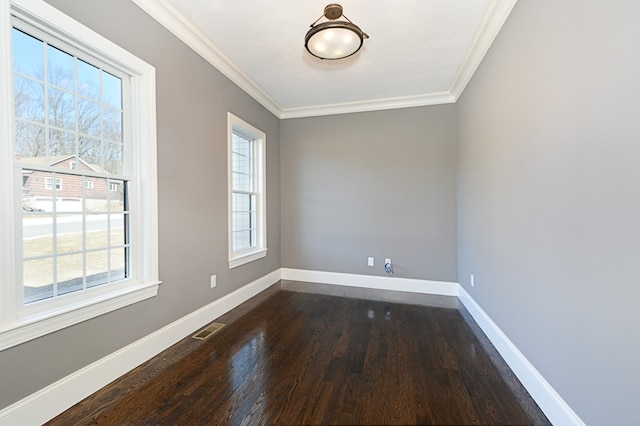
<point>299,359</point>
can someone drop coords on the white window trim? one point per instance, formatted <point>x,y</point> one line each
<point>260,250</point>
<point>20,325</point>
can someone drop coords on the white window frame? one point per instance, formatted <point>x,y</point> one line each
<point>238,258</point>
<point>20,323</point>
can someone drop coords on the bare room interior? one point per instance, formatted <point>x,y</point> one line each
<point>452,203</point>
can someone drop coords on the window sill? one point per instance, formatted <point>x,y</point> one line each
<point>54,321</point>
<point>246,257</point>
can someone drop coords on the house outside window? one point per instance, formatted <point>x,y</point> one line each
<point>247,214</point>
<point>84,112</point>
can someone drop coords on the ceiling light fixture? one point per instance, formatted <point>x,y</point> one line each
<point>334,39</point>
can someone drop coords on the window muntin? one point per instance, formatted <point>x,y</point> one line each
<point>247,224</point>
<point>83,130</point>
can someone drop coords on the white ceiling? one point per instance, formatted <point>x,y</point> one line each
<point>420,52</point>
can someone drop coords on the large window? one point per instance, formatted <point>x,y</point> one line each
<point>79,140</point>
<point>247,224</point>
<point>68,109</point>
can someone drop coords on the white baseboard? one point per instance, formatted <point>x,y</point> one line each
<point>57,397</point>
<point>441,288</point>
<point>552,404</point>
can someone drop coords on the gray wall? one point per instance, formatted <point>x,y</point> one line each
<point>549,197</point>
<point>378,184</point>
<point>193,100</point>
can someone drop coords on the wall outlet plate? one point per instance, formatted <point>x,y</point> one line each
<point>370,261</point>
<point>213,281</point>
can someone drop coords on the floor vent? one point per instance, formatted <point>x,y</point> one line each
<point>208,331</point>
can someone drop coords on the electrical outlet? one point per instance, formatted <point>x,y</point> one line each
<point>370,261</point>
<point>213,281</point>
<point>388,268</point>
<point>471,280</point>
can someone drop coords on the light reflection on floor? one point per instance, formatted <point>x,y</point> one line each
<point>248,374</point>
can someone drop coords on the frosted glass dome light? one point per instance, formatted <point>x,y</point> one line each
<point>334,39</point>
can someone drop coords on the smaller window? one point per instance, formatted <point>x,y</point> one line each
<point>247,213</point>
<point>113,186</point>
<point>88,184</point>
<point>48,183</point>
<point>73,165</point>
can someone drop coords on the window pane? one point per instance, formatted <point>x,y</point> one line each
<point>112,90</point>
<point>241,240</point>
<point>90,150</point>
<point>38,279</point>
<point>115,186</point>
<point>112,122</point>
<point>37,191</point>
<point>113,153</point>
<point>28,54</point>
<point>88,80</point>
<point>69,273</point>
<point>241,221</point>
<point>118,262</point>
<point>241,202</point>
<point>62,109</point>
<point>117,230</point>
<point>37,235</point>
<point>97,268</point>
<point>241,145</point>
<point>89,117</point>
<point>69,237</point>
<point>97,231</point>
<point>30,142</point>
<point>68,200</point>
<point>241,182</point>
<point>117,196</point>
<point>60,68</point>
<point>96,198</point>
<point>28,99</point>
<point>242,164</point>
<point>61,143</point>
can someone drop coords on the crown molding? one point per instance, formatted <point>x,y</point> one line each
<point>495,17</point>
<point>181,27</point>
<point>370,105</point>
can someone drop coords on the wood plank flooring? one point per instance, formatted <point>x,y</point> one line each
<point>298,359</point>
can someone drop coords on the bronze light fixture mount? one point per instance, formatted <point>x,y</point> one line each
<point>334,39</point>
